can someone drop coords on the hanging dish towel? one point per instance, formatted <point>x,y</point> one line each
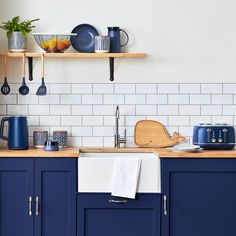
<point>125,176</point>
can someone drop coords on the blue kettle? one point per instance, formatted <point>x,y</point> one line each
<point>17,132</point>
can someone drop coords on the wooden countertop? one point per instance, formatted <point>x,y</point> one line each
<point>38,152</point>
<point>73,152</point>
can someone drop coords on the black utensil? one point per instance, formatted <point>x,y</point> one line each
<point>5,89</point>
<point>30,68</point>
<point>42,90</point>
<point>24,89</point>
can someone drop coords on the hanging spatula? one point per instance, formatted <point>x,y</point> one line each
<point>5,89</point>
<point>42,90</point>
<point>24,89</point>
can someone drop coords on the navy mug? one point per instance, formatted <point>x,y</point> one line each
<point>17,132</point>
<point>114,34</point>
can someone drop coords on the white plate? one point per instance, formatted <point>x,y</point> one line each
<point>187,148</point>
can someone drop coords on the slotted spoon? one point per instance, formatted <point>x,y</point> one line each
<point>24,89</point>
<point>5,89</point>
<point>42,90</point>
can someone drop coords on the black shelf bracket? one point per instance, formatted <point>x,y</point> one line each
<point>30,68</point>
<point>111,60</point>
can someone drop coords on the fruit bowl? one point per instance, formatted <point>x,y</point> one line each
<point>54,43</point>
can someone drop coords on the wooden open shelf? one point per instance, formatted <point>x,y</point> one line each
<point>110,56</point>
<point>77,55</point>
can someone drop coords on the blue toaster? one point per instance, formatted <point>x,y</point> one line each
<point>214,136</point>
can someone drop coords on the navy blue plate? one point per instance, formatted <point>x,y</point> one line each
<point>84,41</point>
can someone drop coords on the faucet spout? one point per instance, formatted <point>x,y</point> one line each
<point>118,140</point>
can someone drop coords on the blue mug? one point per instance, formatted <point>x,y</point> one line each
<point>114,34</point>
<point>17,132</point>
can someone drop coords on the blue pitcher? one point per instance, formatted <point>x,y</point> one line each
<point>114,34</point>
<point>17,132</point>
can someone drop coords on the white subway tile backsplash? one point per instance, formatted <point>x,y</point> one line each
<point>56,128</point>
<point>103,131</point>
<point>229,88</point>
<point>229,110</point>
<point>222,99</point>
<point>39,110</point>
<point>70,99</point>
<point>29,99</point>
<point>146,110</point>
<point>92,121</point>
<point>49,99</point>
<point>103,88</point>
<point>125,88</point>
<point>189,109</point>
<point>103,110</point>
<point>194,120</point>
<point>71,120</point>
<point>49,120</point>
<point>146,88</point>
<point>211,110</point>
<point>14,109</point>
<point>60,89</point>
<point>189,88</point>
<point>114,99</point>
<point>60,109</point>
<point>135,99</point>
<point>168,110</point>
<point>156,99</point>
<point>82,88</point>
<point>92,142</point>
<point>200,99</point>
<point>87,111</point>
<point>92,99</point>
<point>168,88</point>
<point>9,99</point>
<point>178,120</point>
<point>211,88</point>
<point>178,99</point>
<point>82,131</point>
<point>82,110</point>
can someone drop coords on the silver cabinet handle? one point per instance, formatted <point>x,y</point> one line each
<point>30,206</point>
<point>165,205</point>
<point>37,206</point>
<point>117,201</point>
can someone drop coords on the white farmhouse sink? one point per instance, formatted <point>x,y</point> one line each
<point>95,172</point>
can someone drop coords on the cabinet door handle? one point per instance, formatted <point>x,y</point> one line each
<point>117,201</point>
<point>37,206</point>
<point>165,205</point>
<point>30,206</point>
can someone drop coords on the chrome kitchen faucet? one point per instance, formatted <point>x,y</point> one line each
<point>118,140</point>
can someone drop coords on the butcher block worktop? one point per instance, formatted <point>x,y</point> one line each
<point>73,152</point>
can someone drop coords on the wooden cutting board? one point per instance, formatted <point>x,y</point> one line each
<point>151,133</point>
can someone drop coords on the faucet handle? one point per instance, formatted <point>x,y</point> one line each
<point>125,133</point>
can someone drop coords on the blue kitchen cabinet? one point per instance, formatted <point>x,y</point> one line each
<point>38,196</point>
<point>16,194</point>
<point>100,214</point>
<point>55,196</point>
<point>200,197</point>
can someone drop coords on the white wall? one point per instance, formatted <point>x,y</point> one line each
<point>187,40</point>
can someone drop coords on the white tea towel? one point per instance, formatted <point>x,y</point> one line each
<point>125,176</point>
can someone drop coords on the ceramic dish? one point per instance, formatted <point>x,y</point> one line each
<point>85,39</point>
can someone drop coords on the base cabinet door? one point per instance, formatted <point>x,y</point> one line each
<point>201,197</point>
<point>16,193</point>
<point>55,197</point>
<point>101,214</point>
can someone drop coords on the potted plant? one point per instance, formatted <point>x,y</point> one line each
<point>17,33</point>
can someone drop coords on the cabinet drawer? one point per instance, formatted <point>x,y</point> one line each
<point>101,214</point>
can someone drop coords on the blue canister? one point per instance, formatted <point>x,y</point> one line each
<point>51,145</point>
<point>115,44</point>
<point>17,137</point>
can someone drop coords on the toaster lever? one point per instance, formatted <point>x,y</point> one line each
<point>225,131</point>
<point>208,135</point>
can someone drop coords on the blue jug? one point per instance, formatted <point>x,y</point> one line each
<point>114,34</point>
<point>17,132</point>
